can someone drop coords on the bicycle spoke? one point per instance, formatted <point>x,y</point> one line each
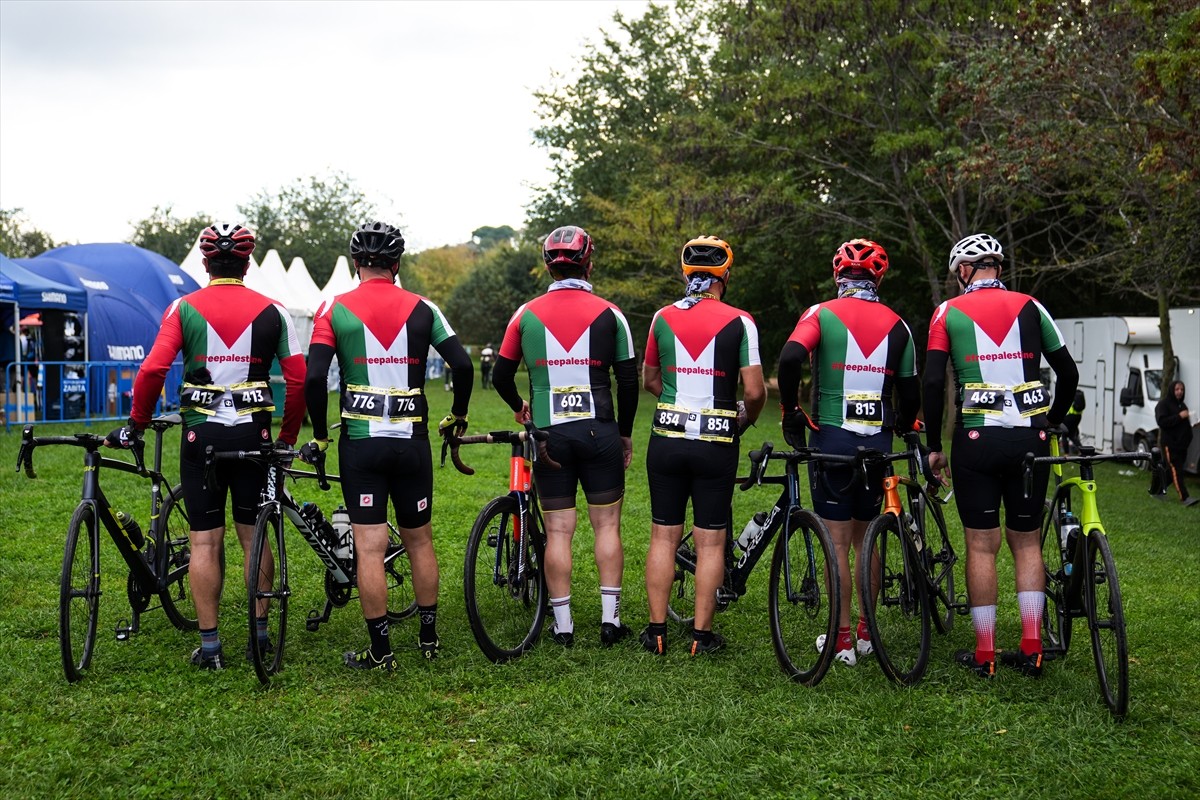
<point>803,599</point>
<point>894,601</point>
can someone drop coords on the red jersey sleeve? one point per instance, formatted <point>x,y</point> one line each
<point>938,338</point>
<point>148,384</point>
<point>323,325</point>
<point>807,332</point>
<point>510,347</point>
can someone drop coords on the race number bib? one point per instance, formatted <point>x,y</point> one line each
<point>406,405</point>
<point>717,425</point>
<point>365,402</point>
<point>251,397</point>
<point>865,408</point>
<point>1031,398</point>
<point>670,420</point>
<point>571,401</point>
<point>202,399</point>
<point>983,398</point>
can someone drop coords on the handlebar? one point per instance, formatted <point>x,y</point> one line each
<point>271,456</point>
<point>531,432</point>
<point>89,441</point>
<point>1087,456</point>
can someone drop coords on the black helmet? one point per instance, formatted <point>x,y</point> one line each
<point>376,244</point>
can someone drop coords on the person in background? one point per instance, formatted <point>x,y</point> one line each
<point>570,340</point>
<point>381,335</point>
<point>995,339</point>
<point>698,350</point>
<point>862,353</point>
<point>229,336</point>
<point>487,359</point>
<point>1175,436</point>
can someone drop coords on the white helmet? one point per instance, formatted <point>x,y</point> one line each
<point>973,248</point>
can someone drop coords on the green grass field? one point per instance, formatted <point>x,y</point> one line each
<point>584,722</point>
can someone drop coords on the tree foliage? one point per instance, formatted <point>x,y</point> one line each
<point>312,218</point>
<point>504,277</point>
<point>441,269</point>
<point>19,239</point>
<point>167,234</point>
<point>488,236</point>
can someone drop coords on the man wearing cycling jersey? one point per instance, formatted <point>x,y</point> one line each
<point>698,349</point>
<point>229,336</point>
<point>570,340</point>
<point>381,335</point>
<point>862,353</point>
<point>994,339</point>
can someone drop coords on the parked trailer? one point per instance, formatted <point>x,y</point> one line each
<point>1120,374</point>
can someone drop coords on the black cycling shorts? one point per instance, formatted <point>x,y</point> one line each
<point>589,451</point>
<point>837,489</point>
<point>683,469</point>
<point>244,481</point>
<point>988,466</point>
<point>381,468</point>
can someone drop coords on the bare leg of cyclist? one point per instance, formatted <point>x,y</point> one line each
<point>982,546</point>
<point>610,557</point>
<point>710,574</point>
<point>660,568</point>
<point>1026,547</point>
<point>560,530</point>
<point>846,535</point>
<point>204,574</point>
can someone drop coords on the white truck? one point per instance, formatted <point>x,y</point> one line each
<point>1120,374</point>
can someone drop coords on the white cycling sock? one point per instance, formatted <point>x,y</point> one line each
<point>563,623</point>
<point>610,604</point>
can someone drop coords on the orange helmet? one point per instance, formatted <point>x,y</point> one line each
<point>707,254</point>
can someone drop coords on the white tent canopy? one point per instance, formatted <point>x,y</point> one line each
<point>340,281</point>
<point>304,289</point>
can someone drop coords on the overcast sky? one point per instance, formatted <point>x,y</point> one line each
<point>110,108</point>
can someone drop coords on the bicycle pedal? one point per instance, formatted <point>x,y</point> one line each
<point>123,631</point>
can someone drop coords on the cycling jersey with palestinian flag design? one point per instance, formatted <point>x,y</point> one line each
<point>995,339</point>
<point>859,348</point>
<point>229,336</point>
<point>569,340</point>
<point>382,334</point>
<point>701,351</point>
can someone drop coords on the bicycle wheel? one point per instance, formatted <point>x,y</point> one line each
<point>898,617</point>
<point>681,603</point>
<point>401,602</point>
<point>173,554</point>
<point>1056,622</point>
<point>267,593</point>
<point>1106,621</point>
<point>940,560</point>
<point>79,592</point>
<point>505,590</point>
<point>803,598</point>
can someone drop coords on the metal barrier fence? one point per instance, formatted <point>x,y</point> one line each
<point>88,391</point>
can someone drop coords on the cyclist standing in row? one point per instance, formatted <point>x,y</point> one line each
<point>861,351</point>
<point>569,340</point>
<point>697,350</point>
<point>229,336</point>
<point>381,334</point>
<point>994,339</point>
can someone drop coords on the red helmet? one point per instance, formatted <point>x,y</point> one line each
<point>567,246</point>
<point>227,239</point>
<point>862,256</point>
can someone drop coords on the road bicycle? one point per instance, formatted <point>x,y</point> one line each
<point>1081,575</point>
<point>804,583</point>
<point>906,573</point>
<point>158,560</point>
<point>504,580</point>
<point>268,595</point>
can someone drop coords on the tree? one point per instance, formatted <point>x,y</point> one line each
<point>18,240</point>
<point>167,234</point>
<point>312,218</point>
<point>488,237</point>
<point>441,269</point>
<point>480,305</point>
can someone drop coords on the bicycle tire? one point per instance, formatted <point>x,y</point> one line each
<point>173,554</point>
<point>894,599</point>
<point>804,598</point>
<point>939,562</point>
<point>681,602</point>
<point>79,592</point>
<point>1106,622</point>
<point>1056,621</point>
<point>267,591</point>
<point>397,570</point>
<point>506,612</point>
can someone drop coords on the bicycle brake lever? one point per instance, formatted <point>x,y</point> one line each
<point>1028,476</point>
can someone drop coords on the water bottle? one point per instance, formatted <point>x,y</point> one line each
<point>752,531</point>
<point>312,514</point>
<point>1068,530</point>
<point>132,530</point>
<point>343,534</point>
